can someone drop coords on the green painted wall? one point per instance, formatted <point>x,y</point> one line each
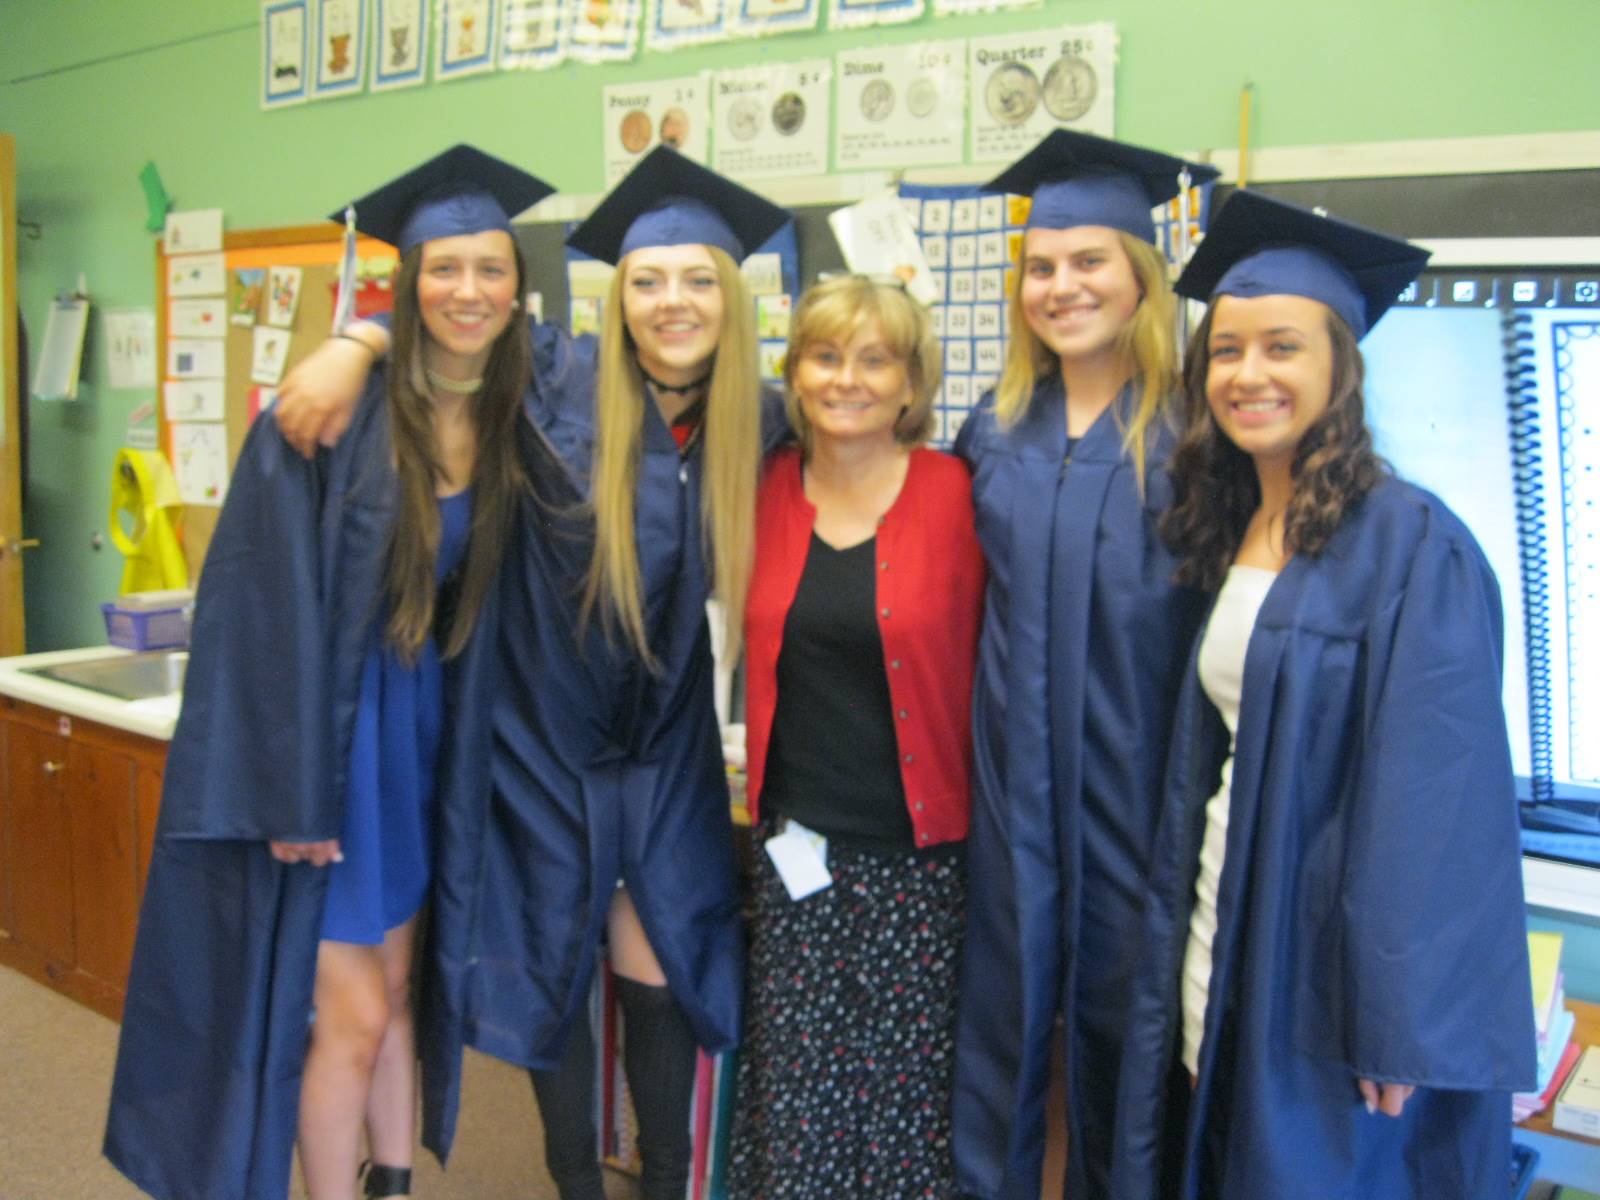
<point>94,88</point>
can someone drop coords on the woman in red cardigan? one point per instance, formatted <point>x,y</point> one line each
<point>861,633</point>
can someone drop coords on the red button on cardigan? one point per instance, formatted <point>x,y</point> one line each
<point>930,578</point>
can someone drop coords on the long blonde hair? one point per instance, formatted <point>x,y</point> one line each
<point>1148,343</point>
<point>731,461</point>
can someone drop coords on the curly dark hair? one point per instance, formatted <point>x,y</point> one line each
<point>1215,483</point>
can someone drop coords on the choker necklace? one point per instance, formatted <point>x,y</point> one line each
<point>456,387</point>
<point>682,390</point>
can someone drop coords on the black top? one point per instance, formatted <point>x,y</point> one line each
<point>833,763</point>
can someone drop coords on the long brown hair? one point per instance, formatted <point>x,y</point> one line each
<point>1216,485</point>
<point>731,460</point>
<point>496,474</point>
<point>1148,343</point>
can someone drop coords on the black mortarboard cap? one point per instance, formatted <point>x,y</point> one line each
<point>458,192</point>
<point>1079,179</point>
<point>670,200</point>
<point>1258,246</point>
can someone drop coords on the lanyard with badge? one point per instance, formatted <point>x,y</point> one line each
<point>800,856</point>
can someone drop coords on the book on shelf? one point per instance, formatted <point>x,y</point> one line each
<point>1578,1103</point>
<point>1526,1104</point>
<point>1544,962</point>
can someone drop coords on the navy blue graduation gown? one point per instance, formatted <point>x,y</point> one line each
<point>1370,919</point>
<point>526,880</point>
<point>677,831</point>
<point>518,901</point>
<point>206,1092</point>
<point>618,774</point>
<point>1079,660</point>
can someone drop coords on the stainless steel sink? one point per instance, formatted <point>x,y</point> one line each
<point>125,676</point>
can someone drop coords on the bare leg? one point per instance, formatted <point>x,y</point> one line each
<point>392,1100</point>
<point>352,1014</point>
<point>631,955</point>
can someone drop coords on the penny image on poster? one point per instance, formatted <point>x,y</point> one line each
<point>638,116</point>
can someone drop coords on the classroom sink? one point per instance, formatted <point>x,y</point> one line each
<point>125,676</point>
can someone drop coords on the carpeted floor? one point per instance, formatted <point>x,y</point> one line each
<point>55,1071</point>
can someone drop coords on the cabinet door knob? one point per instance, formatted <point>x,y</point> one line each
<point>54,768</point>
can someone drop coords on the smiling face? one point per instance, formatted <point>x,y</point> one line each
<point>466,296</point>
<point>852,389</point>
<point>1078,291</point>
<point>1269,373</point>
<point>672,303</point>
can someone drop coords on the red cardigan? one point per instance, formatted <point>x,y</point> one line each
<point>930,601</point>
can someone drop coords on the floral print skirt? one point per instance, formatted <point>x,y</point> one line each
<point>844,1074</point>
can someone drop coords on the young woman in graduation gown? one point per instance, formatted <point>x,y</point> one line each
<point>313,756</point>
<point>1334,998</point>
<point>664,435</point>
<point>1083,642</point>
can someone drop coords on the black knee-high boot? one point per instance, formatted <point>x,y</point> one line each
<point>658,1054</point>
<point>566,1106</point>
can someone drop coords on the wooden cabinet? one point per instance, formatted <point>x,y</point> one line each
<point>77,820</point>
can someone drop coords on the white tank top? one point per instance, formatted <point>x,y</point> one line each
<point>1222,653</point>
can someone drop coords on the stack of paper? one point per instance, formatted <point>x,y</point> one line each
<point>1554,1023</point>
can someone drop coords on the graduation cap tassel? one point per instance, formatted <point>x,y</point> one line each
<point>344,307</point>
<point>1181,246</point>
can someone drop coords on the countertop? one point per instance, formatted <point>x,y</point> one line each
<point>155,717</point>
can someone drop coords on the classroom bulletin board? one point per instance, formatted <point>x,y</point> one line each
<point>315,251</point>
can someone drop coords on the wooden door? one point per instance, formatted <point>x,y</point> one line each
<point>38,843</point>
<point>11,540</point>
<point>104,861</point>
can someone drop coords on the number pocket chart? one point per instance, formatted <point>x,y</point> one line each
<point>971,240</point>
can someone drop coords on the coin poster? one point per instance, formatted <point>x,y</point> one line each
<point>901,106</point>
<point>637,117</point>
<point>675,23</point>
<point>771,120</point>
<point>1023,85</point>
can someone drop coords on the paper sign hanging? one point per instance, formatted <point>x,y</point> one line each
<point>285,42</point>
<point>399,44</point>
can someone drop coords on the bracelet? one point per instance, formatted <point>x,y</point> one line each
<point>350,337</point>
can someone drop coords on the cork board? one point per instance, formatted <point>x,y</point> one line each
<point>316,250</point>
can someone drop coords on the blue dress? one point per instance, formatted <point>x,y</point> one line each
<point>387,840</point>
